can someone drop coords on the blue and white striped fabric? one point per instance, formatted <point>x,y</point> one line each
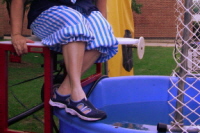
<point>60,25</point>
<point>73,1</point>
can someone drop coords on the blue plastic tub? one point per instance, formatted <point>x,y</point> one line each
<point>124,90</point>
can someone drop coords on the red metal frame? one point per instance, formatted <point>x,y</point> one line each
<point>48,69</point>
<point>4,48</point>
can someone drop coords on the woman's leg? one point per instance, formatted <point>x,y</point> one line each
<point>78,104</point>
<point>88,60</point>
<point>73,57</point>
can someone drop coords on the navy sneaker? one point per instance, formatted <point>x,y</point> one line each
<point>58,100</point>
<point>85,110</point>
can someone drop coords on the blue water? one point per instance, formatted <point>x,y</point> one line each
<point>136,114</point>
<point>141,113</point>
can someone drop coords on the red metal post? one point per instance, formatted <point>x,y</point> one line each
<point>48,67</point>
<point>3,90</point>
<point>98,68</point>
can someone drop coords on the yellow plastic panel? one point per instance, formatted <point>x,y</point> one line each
<point>120,16</point>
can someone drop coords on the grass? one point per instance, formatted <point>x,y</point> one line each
<point>156,61</point>
<point>28,93</point>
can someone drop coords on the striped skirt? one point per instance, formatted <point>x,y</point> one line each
<point>60,25</point>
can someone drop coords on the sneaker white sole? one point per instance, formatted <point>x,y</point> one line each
<point>73,112</point>
<point>57,104</point>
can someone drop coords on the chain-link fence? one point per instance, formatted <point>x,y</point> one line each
<point>186,99</point>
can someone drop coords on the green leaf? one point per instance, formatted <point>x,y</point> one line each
<point>136,7</point>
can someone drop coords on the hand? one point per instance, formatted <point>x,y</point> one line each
<point>19,43</point>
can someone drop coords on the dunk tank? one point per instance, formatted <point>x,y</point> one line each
<point>142,104</point>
